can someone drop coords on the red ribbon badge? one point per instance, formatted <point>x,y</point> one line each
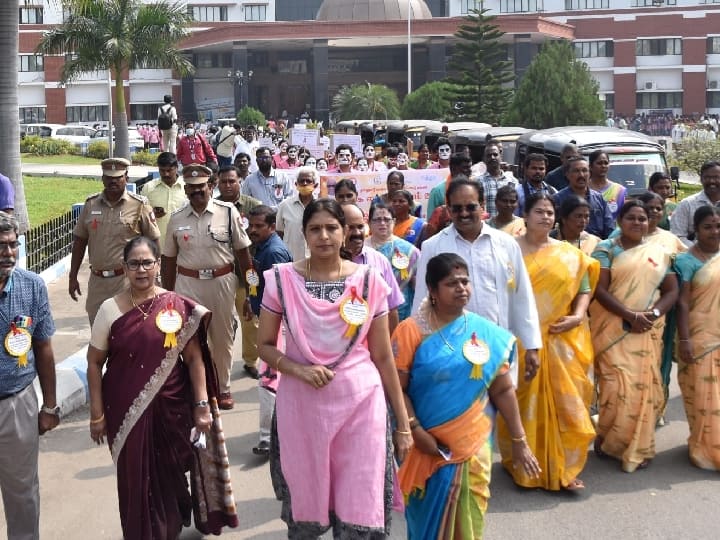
<point>652,262</point>
<point>186,236</point>
<point>94,223</point>
<point>14,329</point>
<point>473,339</point>
<point>353,292</point>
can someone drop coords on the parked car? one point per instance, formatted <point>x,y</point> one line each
<point>633,156</point>
<point>135,140</point>
<point>78,135</point>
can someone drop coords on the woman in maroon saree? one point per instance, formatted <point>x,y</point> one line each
<point>160,385</point>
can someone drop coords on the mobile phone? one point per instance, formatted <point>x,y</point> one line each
<point>626,325</point>
<point>158,209</point>
<point>445,452</point>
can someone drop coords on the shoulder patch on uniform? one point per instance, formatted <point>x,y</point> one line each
<point>179,209</point>
<point>223,203</point>
<point>137,197</point>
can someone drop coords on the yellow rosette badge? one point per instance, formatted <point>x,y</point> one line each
<point>18,343</point>
<point>169,321</point>
<point>477,353</point>
<point>402,263</point>
<point>354,310</point>
<point>253,280</point>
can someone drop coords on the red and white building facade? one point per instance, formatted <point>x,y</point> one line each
<point>646,55</point>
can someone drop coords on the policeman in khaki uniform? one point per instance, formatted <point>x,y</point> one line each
<point>229,186</point>
<point>107,221</point>
<point>203,241</point>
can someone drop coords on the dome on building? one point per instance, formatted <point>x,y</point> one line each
<point>372,10</point>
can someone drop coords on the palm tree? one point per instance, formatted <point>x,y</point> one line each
<point>371,101</point>
<point>119,35</point>
<point>9,126</point>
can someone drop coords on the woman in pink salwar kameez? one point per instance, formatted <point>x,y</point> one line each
<point>331,454</point>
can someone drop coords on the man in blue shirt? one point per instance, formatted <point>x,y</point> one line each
<point>578,174</point>
<point>534,170</point>
<point>26,328</point>
<point>269,250</point>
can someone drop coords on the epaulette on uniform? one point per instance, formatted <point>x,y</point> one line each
<point>93,196</point>
<point>180,209</point>
<point>137,197</point>
<point>223,203</point>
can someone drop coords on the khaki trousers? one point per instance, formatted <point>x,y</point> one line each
<point>248,329</point>
<point>100,289</point>
<point>19,465</point>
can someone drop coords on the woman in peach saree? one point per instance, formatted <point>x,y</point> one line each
<point>635,291</point>
<point>699,338</point>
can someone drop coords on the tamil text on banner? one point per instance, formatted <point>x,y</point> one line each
<point>372,184</point>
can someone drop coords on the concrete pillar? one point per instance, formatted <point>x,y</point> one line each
<point>437,50</point>
<point>321,100</point>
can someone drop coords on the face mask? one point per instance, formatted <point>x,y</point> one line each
<point>370,153</point>
<point>444,152</point>
<point>402,159</point>
<point>342,159</point>
<point>362,165</point>
<point>305,190</point>
<point>190,132</point>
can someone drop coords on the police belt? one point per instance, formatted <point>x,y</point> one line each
<point>109,273</point>
<point>205,273</point>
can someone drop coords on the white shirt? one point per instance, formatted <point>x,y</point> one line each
<point>681,222</point>
<point>288,221</point>
<point>501,289</point>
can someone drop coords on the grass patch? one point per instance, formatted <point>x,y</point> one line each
<point>63,159</point>
<point>686,190</point>
<point>48,197</point>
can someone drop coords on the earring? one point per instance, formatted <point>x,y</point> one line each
<point>432,301</point>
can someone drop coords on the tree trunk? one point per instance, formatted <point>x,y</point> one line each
<point>9,124</point>
<point>122,145</point>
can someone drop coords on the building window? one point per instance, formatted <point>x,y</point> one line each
<point>213,60</point>
<point>31,15</point>
<point>609,102</point>
<point>520,6</point>
<point>594,49</point>
<point>710,1</point>
<point>31,62</point>
<point>296,10</point>
<point>653,3</point>
<point>208,13</point>
<point>713,45</point>
<point>255,13</point>
<point>147,112</point>
<point>86,113</point>
<point>659,100</point>
<point>713,100</point>
<point>658,47</point>
<point>587,4</point>
<point>468,5</point>
<point>32,115</point>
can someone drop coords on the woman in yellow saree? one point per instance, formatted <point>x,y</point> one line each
<point>554,404</point>
<point>635,290</point>
<point>573,217</point>
<point>699,338</point>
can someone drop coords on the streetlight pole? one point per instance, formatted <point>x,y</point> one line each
<point>409,49</point>
<point>242,79</point>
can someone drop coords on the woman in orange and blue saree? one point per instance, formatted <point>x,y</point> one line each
<point>635,291</point>
<point>699,338</point>
<point>454,369</point>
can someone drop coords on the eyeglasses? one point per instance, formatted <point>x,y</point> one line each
<point>469,208</point>
<point>135,265</point>
<point>9,245</point>
<point>305,182</point>
<point>381,219</point>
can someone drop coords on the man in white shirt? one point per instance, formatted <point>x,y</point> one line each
<point>168,131</point>
<point>288,222</point>
<point>246,143</point>
<point>501,289</point>
<point>681,222</point>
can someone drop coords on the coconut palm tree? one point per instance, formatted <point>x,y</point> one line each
<point>371,101</point>
<point>9,126</point>
<point>119,35</point>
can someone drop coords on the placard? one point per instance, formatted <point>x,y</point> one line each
<point>354,141</point>
<point>304,137</point>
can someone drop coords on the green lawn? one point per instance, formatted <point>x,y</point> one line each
<point>64,159</point>
<point>48,197</point>
<point>687,189</point>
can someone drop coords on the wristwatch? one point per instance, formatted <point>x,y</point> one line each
<point>201,403</point>
<point>55,411</point>
<point>656,313</point>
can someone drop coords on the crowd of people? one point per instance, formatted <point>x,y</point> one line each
<point>385,343</point>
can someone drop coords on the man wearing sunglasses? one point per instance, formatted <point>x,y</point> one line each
<point>204,240</point>
<point>501,289</point>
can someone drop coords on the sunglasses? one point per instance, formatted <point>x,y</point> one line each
<point>469,208</point>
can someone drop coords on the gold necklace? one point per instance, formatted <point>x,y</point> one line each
<point>307,269</point>
<point>705,256</point>
<point>144,314</point>
<point>437,329</point>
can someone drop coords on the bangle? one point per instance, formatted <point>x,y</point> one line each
<point>277,362</point>
<point>518,439</point>
<point>403,432</point>
<point>98,420</point>
<point>636,316</point>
